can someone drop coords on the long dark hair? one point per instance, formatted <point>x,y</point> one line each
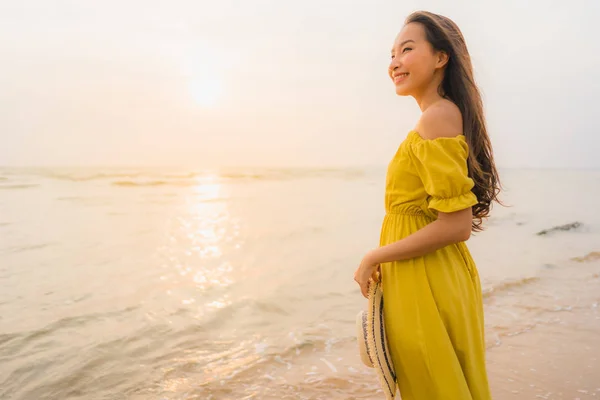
<point>459,87</point>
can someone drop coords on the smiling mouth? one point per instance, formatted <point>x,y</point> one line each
<point>400,77</point>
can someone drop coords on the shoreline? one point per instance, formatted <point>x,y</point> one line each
<point>554,353</point>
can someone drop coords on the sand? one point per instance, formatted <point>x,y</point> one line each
<point>549,362</point>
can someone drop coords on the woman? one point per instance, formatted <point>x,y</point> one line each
<point>440,185</point>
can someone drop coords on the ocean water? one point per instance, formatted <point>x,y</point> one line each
<point>238,284</point>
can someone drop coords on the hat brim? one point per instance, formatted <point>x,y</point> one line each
<point>372,341</point>
<point>363,345</point>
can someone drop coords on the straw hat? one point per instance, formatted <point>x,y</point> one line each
<point>372,341</point>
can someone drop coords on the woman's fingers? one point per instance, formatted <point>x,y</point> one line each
<point>376,276</point>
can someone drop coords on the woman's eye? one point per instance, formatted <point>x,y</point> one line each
<point>407,48</point>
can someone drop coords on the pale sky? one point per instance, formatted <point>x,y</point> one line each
<point>280,82</point>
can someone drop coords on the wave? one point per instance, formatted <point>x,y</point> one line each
<point>133,183</point>
<point>593,256</point>
<point>195,179</point>
<point>19,186</point>
<point>299,173</point>
<point>7,337</point>
<point>78,177</point>
<point>154,183</point>
<point>20,249</point>
<point>508,285</point>
<point>21,340</point>
<point>156,175</point>
<point>250,364</point>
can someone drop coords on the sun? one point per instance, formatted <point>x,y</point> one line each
<point>206,91</point>
<point>202,64</point>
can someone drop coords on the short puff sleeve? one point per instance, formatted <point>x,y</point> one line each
<point>442,166</point>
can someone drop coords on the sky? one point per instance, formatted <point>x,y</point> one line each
<point>280,83</point>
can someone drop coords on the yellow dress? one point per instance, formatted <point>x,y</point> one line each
<point>433,304</point>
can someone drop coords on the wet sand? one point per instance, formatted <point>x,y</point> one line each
<point>558,357</point>
<point>551,362</point>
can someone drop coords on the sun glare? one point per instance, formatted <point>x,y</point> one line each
<point>206,91</point>
<point>201,63</point>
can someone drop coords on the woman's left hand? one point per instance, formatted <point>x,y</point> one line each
<point>367,269</point>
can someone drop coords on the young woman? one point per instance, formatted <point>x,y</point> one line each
<point>440,185</point>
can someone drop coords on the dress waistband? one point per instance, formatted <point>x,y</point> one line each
<point>414,211</point>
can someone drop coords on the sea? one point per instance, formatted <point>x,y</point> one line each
<point>237,283</point>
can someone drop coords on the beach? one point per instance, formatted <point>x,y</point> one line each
<point>218,284</point>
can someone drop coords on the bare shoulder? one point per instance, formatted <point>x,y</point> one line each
<point>442,119</point>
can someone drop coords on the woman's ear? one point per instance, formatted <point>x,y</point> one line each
<point>442,59</point>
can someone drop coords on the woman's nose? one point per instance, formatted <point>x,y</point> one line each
<point>393,66</point>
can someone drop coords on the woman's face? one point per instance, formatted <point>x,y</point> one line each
<point>414,61</point>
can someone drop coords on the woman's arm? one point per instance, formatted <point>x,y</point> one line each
<point>447,229</point>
